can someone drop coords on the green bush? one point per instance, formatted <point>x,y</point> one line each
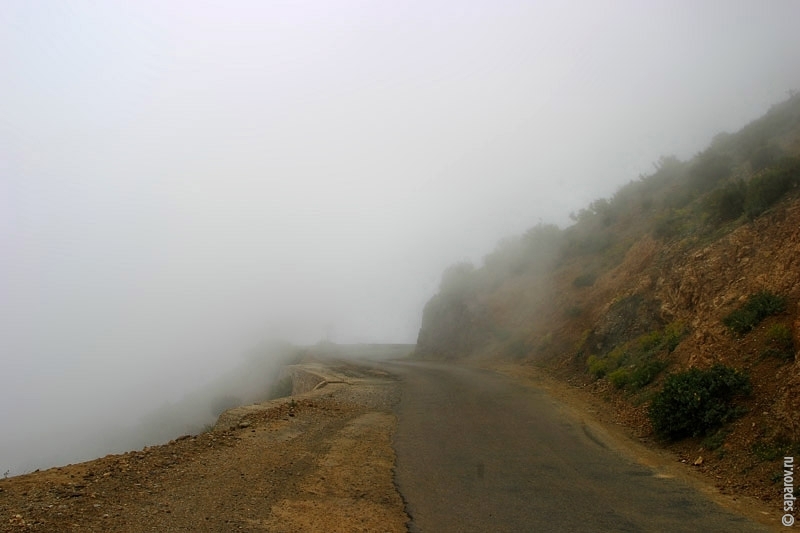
<point>584,280</point>
<point>709,168</point>
<point>695,402</point>
<point>633,365</point>
<point>650,341</point>
<point>602,365</point>
<point>780,342</point>
<point>768,187</point>
<point>673,334</point>
<point>726,203</point>
<point>518,349</point>
<point>594,243</point>
<point>597,366</point>
<point>678,197</point>
<point>766,451</point>
<point>670,225</point>
<point>574,311</point>
<point>764,156</point>
<point>758,307</point>
<point>645,373</point>
<point>715,440</point>
<point>620,377</point>
<point>632,377</point>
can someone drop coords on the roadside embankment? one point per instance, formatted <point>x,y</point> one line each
<point>306,378</point>
<point>321,460</point>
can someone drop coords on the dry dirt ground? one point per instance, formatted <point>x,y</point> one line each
<point>321,462</point>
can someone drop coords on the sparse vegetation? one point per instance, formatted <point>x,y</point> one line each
<point>517,349</point>
<point>709,168</point>
<point>765,156</point>
<point>673,333</point>
<point>574,311</point>
<point>644,374</point>
<point>769,186</point>
<point>695,402</point>
<point>758,307</point>
<point>726,203</point>
<point>766,451</point>
<point>779,342</point>
<point>715,440</point>
<point>597,366</point>
<point>671,225</point>
<point>634,365</point>
<point>620,377</point>
<point>636,376</point>
<point>584,280</point>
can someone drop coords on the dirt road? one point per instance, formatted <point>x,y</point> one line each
<point>478,452</point>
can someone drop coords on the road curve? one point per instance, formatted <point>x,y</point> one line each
<point>477,452</point>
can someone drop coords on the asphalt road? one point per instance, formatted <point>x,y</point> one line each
<point>478,453</point>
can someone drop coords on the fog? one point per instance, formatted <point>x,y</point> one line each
<point>182,182</point>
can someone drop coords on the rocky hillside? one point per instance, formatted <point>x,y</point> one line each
<point>694,265</point>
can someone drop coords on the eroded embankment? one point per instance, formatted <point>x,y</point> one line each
<point>321,460</point>
<point>306,378</point>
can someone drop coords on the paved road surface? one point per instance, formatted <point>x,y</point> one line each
<point>478,453</point>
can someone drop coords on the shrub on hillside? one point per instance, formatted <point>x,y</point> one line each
<point>673,334</point>
<point>620,377</point>
<point>768,187</point>
<point>635,364</point>
<point>670,225</point>
<point>517,349</point>
<point>637,376</point>
<point>599,366</point>
<point>709,168</point>
<point>726,203</point>
<point>696,402</point>
<point>758,307</point>
<point>584,280</point>
<point>780,342</point>
<point>765,156</point>
<point>644,374</point>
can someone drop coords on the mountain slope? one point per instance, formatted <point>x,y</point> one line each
<point>642,286</point>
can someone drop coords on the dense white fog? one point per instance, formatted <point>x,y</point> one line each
<point>182,181</point>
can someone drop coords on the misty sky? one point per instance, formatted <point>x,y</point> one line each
<point>179,180</point>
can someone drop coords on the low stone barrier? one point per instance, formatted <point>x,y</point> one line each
<point>307,380</point>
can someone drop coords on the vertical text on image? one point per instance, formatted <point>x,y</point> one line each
<point>788,492</point>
